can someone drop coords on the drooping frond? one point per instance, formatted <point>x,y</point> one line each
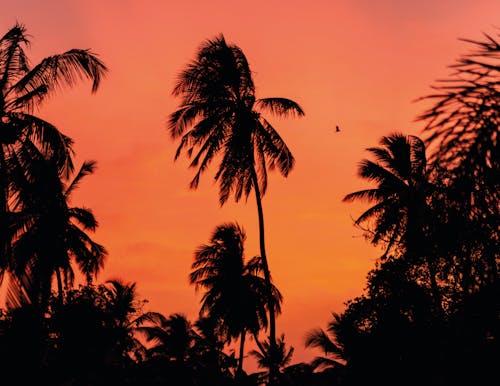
<point>280,106</point>
<point>86,169</point>
<point>62,70</point>
<point>274,148</point>
<point>464,119</point>
<point>84,217</point>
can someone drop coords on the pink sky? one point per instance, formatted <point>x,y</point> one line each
<point>358,64</point>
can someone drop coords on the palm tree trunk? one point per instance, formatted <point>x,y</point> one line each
<point>240,359</point>
<point>267,277</point>
<point>59,286</point>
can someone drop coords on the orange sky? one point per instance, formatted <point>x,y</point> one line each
<point>358,64</point>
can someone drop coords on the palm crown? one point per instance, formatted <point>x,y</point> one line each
<point>400,174</point>
<point>220,113</point>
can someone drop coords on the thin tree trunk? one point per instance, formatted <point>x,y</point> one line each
<point>267,277</point>
<point>242,348</point>
<point>59,286</point>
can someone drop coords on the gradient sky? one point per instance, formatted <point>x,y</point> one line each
<point>358,64</point>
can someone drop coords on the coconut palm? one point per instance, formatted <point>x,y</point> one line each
<point>123,309</point>
<point>400,214</point>
<point>220,115</point>
<point>23,88</point>
<point>171,338</point>
<point>54,235</point>
<point>334,355</point>
<point>462,125</point>
<point>210,348</point>
<point>400,173</point>
<point>267,358</point>
<point>235,293</point>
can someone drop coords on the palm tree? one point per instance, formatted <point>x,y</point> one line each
<point>400,212</point>
<point>123,307</point>
<point>462,126</point>
<point>53,233</point>
<point>400,172</point>
<point>334,354</point>
<point>220,115</point>
<point>267,358</point>
<point>235,293</point>
<point>24,88</point>
<point>171,338</point>
<point>210,348</point>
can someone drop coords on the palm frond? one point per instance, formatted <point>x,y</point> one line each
<point>62,70</point>
<point>84,217</point>
<point>280,106</point>
<point>87,168</point>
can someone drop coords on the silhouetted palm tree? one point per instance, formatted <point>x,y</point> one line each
<point>235,293</point>
<point>400,174</point>
<point>54,234</point>
<point>334,355</point>
<point>209,347</point>
<point>171,338</point>
<point>400,213</point>
<point>220,115</point>
<point>123,308</point>
<point>267,358</point>
<point>22,89</point>
<point>462,126</point>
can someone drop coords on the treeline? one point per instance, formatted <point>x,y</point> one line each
<point>430,310</point>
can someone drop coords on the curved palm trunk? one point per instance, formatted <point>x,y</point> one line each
<point>267,277</point>
<point>242,350</point>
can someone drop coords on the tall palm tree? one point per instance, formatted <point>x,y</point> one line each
<point>235,293</point>
<point>220,115</point>
<point>53,235</point>
<point>24,88</point>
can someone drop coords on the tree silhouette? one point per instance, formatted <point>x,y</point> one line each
<point>462,126</point>
<point>266,358</point>
<point>235,293</point>
<point>448,227</point>
<point>123,309</point>
<point>53,234</point>
<point>463,122</point>
<point>24,88</point>
<point>171,338</point>
<point>334,355</point>
<point>400,214</point>
<point>219,114</point>
<point>400,173</point>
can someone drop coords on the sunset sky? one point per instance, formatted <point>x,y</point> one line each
<point>358,64</point>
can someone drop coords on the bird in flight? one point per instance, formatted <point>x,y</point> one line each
<point>337,129</point>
